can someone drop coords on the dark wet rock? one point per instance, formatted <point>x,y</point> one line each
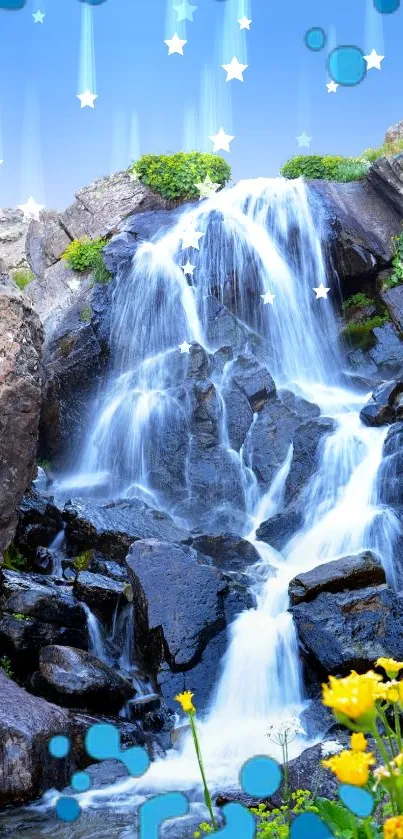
<point>362,365</point>
<point>386,177</point>
<point>393,300</point>
<point>229,554</point>
<point>223,328</point>
<point>109,568</point>
<point>20,399</point>
<point>350,630</point>
<point>100,593</point>
<point>37,596</point>
<point>112,528</point>
<point>39,522</point>
<point>26,725</point>
<point>44,560</point>
<point>199,364</point>
<point>279,529</point>
<point>78,679</point>
<point>119,251</point>
<point>254,380</point>
<point>307,442</point>
<point>387,353</point>
<point>239,414</point>
<point>348,573</point>
<point>270,439</point>
<point>306,410</point>
<point>22,637</point>
<point>390,475</point>
<point>385,405</point>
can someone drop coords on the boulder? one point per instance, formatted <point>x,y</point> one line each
<point>387,352</point>
<point>390,474</point>
<point>393,300</point>
<point>386,177</point>
<point>39,522</point>
<point>349,630</point>
<point>112,528</point>
<point>385,405</point>
<point>35,596</point>
<point>307,442</point>
<point>20,400</point>
<point>348,573</point>
<point>45,242</point>
<point>54,294</point>
<point>80,680</point>
<point>395,132</point>
<point>254,381</point>
<point>22,637</point>
<point>269,440</point>
<point>228,553</point>
<point>279,529</point>
<point>27,723</point>
<point>101,594</point>
<point>13,231</point>
<point>239,414</point>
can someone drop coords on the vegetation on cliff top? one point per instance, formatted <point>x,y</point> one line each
<point>174,176</point>
<point>336,168</point>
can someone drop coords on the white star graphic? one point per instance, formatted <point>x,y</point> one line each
<point>188,268</point>
<point>235,70</point>
<point>190,239</point>
<point>31,209</point>
<point>185,11</point>
<point>267,297</point>
<point>304,140</point>
<point>38,16</point>
<point>221,140</point>
<point>321,291</point>
<point>87,98</point>
<point>175,44</point>
<point>374,60</point>
<point>185,347</point>
<point>206,188</point>
<point>244,23</point>
<point>74,284</point>
<point>332,86</point>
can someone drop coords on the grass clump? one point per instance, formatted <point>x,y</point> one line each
<point>86,255</point>
<point>396,277</point>
<point>14,560</point>
<point>174,176</point>
<point>86,314</point>
<point>357,300</point>
<point>361,334</point>
<point>82,561</point>
<point>20,617</point>
<point>5,665</point>
<point>22,277</point>
<point>334,168</point>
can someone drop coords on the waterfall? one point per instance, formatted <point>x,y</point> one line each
<point>96,635</point>
<point>260,236</point>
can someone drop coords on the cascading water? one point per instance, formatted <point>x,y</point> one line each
<point>261,236</point>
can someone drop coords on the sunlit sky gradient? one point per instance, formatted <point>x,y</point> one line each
<point>149,102</point>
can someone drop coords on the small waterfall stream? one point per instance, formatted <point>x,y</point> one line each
<point>259,236</point>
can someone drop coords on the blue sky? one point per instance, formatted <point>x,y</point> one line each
<point>51,147</point>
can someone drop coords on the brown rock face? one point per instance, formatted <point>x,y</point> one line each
<point>20,400</point>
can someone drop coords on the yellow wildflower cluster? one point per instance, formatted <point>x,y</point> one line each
<point>354,696</point>
<point>393,828</point>
<point>352,767</point>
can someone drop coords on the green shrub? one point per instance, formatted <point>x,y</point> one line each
<point>5,665</point>
<point>86,314</point>
<point>14,560</point>
<point>175,176</point>
<point>396,277</point>
<point>86,255</point>
<point>82,561</point>
<point>312,166</point>
<point>359,299</point>
<point>360,334</point>
<point>22,277</point>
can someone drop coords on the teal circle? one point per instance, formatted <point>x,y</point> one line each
<point>68,809</point>
<point>102,741</point>
<point>81,781</point>
<point>347,66</point>
<point>315,38</point>
<point>59,746</point>
<point>260,776</point>
<point>309,824</point>
<point>386,7</point>
<point>357,800</point>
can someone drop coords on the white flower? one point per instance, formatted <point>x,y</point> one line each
<point>331,747</point>
<point>288,728</point>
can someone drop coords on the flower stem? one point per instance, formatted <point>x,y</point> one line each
<point>397,726</point>
<point>207,796</point>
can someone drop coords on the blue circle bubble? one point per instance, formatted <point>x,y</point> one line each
<point>358,800</point>
<point>102,741</point>
<point>81,781</point>
<point>308,824</point>
<point>59,746</point>
<point>347,66</point>
<point>260,776</point>
<point>135,759</point>
<point>68,809</point>
<point>315,38</point>
<point>386,7</point>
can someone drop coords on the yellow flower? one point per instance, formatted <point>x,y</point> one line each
<point>351,767</point>
<point>185,699</point>
<point>398,760</point>
<point>393,828</point>
<point>390,666</point>
<point>353,696</point>
<point>389,691</point>
<point>358,742</point>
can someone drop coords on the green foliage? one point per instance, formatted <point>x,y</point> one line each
<point>275,824</point>
<point>351,170</point>
<point>356,300</point>
<point>342,822</point>
<point>45,464</point>
<point>312,166</point>
<point>14,560</point>
<point>360,334</point>
<point>82,561</point>
<point>396,277</point>
<point>86,255</point>
<point>5,665</point>
<point>19,617</point>
<point>22,277</point>
<point>86,314</point>
<point>175,176</point>
<point>204,828</point>
<point>386,150</point>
